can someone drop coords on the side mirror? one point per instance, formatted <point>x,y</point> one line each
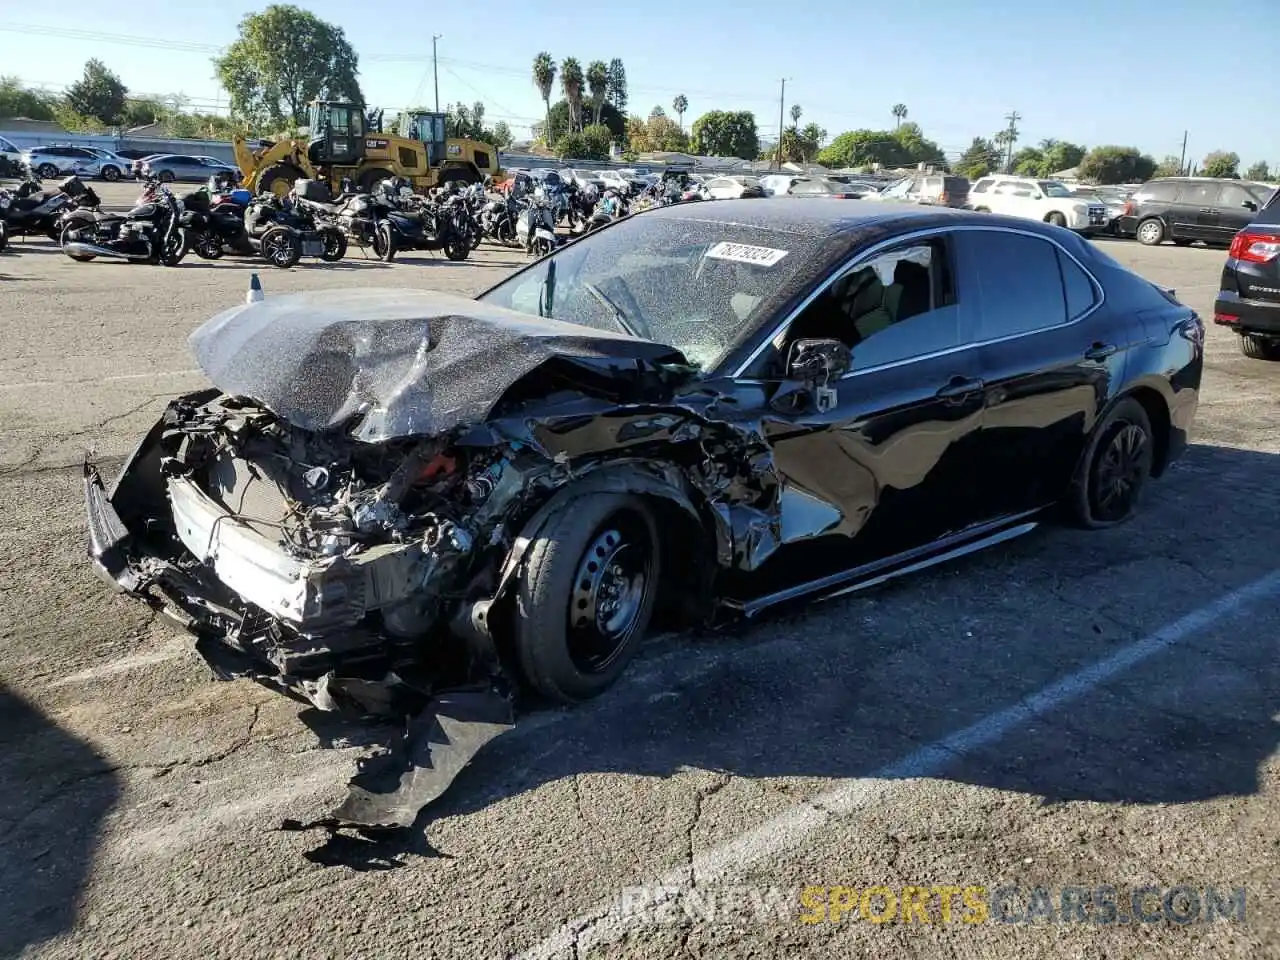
<point>817,361</point>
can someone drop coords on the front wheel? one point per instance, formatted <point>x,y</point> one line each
<point>457,247</point>
<point>281,248</point>
<point>110,174</point>
<point>585,602</point>
<point>1115,467</point>
<point>384,243</point>
<point>175,249</point>
<point>1057,219</point>
<point>208,246</point>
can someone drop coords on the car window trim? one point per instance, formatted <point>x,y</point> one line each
<point>861,258</point>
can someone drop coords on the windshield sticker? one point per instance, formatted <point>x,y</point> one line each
<point>745,253</point>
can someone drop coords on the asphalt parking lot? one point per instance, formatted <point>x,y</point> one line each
<point>1072,709</point>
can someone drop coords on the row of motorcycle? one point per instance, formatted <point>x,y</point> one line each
<point>221,219</point>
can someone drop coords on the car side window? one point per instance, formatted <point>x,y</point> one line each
<point>1165,191</point>
<point>1234,198</point>
<point>1079,290</point>
<point>980,187</point>
<point>1199,194</point>
<point>897,306</point>
<point>1020,282</point>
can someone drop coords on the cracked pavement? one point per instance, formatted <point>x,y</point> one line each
<point>140,801</point>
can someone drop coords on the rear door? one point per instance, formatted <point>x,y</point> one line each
<point>1046,354</point>
<point>1193,214</point>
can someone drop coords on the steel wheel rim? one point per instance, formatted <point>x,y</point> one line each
<point>1120,472</point>
<point>610,592</point>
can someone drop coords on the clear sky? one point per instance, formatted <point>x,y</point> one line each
<point>1132,72</point>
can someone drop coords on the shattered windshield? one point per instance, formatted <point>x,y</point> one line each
<point>696,285</point>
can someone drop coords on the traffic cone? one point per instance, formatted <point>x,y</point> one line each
<point>255,289</point>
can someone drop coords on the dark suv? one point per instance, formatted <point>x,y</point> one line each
<point>1249,295</point>
<point>1186,209</point>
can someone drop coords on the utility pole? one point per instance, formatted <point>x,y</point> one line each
<point>435,76</point>
<point>1013,119</point>
<point>1182,160</point>
<point>782,106</point>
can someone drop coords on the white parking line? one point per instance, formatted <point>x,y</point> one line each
<point>32,384</point>
<point>792,828</point>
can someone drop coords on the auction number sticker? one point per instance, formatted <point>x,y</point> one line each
<point>745,253</point>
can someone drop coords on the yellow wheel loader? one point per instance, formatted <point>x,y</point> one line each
<point>344,143</point>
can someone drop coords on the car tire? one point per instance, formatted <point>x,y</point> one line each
<point>1150,232</point>
<point>981,209</point>
<point>599,542</point>
<point>47,171</point>
<point>1114,471</point>
<point>110,174</point>
<point>1057,219</point>
<point>166,176</point>
<point>1259,348</point>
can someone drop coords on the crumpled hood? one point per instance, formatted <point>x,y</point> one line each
<point>411,361</point>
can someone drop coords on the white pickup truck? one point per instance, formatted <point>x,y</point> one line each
<point>1046,200</point>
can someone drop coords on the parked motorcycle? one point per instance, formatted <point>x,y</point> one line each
<point>152,232</point>
<point>303,224</point>
<point>405,221</point>
<point>215,226</point>
<point>611,207</point>
<point>498,219</point>
<point>536,227</point>
<point>32,211</point>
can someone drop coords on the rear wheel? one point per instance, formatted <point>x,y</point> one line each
<point>1150,233</point>
<point>208,246</point>
<point>586,599</point>
<point>335,246</point>
<point>1259,348</point>
<point>369,179</point>
<point>1115,468</point>
<point>47,171</point>
<point>110,174</point>
<point>281,248</point>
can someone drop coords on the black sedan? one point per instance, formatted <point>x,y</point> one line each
<point>395,497</point>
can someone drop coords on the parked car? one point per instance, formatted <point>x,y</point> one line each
<point>824,188</point>
<point>931,189</point>
<point>65,159</point>
<point>1187,209</point>
<point>1047,200</point>
<point>1248,299</point>
<point>168,167</point>
<point>775,184</point>
<point>732,188</point>
<point>394,499</point>
<point>12,161</point>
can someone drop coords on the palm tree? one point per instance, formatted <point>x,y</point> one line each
<point>598,84</point>
<point>544,78</point>
<point>796,112</point>
<point>899,113</point>
<point>680,104</point>
<point>571,81</point>
<point>812,136</point>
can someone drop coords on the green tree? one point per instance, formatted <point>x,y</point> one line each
<point>609,117</point>
<point>797,112</point>
<point>979,158</point>
<point>1060,155</point>
<point>1220,163</point>
<point>544,78</point>
<point>917,148</point>
<point>1113,164</point>
<point>889,148</point>
<point>598,85</point>
<point>284,58</point>
<point>1029,162</point>
<point>141,113</point>
<point>811,139</point>
<point>899,113</point>
<point>1170,166</point>
<point>680,104</point>
<point>592,143</point>
<point>98,94</point>
<point>501,134</point>
<point>1259,171</point>
<point>723,133</point>
<point>617,93</point>
<point>19,101</point>
<point>571,81</point>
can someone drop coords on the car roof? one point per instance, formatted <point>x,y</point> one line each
<point>821,216</point>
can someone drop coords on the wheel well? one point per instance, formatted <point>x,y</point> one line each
<point>687,562</point>
<point>1054,213</point>
<point>1158,413</point>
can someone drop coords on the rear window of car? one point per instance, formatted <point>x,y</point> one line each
<point>957,185</point>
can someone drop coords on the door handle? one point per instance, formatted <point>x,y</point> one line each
<point>1100,351</point>
<point>959,387</point>
<point>1206,209</point>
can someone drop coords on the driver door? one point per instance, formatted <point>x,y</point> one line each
<point>889,466</point>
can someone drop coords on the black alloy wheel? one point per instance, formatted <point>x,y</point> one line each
<point>1117,468</point>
